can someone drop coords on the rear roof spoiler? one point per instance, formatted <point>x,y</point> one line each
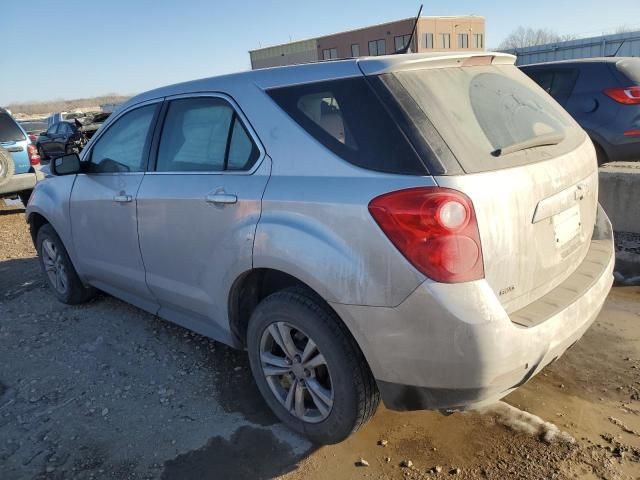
<point>395,63</point>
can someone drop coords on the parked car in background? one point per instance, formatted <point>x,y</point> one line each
<point>33,128</point>
<point>19,160</point>
<point>60,138</point>
<point>603,95</point>
<point>63,116</point>
<point>423,229</point>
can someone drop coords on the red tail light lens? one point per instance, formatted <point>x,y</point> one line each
<point>626,96</point>
<point>34,158</point>
<point>435,229</point>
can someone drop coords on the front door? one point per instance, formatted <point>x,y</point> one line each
<point>198,211</point>
<point>103,208</point>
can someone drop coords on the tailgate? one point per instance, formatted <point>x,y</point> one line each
<point>529,169</point>
<point>535,222</point>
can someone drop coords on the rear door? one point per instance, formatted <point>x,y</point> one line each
<point>198,209</point>
<point>13,139</point>
<point>535,204</point>
<point>103,207</point>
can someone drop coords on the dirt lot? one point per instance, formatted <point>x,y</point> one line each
<point>105,390</point>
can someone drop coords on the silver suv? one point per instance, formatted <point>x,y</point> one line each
<point>418,228</point>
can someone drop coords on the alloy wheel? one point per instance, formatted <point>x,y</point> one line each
<point>296,372</point>
<point>54,266</point>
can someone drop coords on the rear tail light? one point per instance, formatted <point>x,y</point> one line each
<point>632,133</point>
<point>626,96</point>
<point>34,158</point>
<point>435,229</point>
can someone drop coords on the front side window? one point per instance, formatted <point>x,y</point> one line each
<point>204,134</point>
<point>347,118</point>
<point>124,146</point>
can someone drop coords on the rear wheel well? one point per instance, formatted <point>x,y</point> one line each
<point>36,221</point>
<point>253,286</point>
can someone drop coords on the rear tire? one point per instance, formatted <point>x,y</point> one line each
<point>342,375</point>
<point>58,269</point>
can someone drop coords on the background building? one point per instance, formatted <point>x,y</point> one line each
<point>432,34</point>
<point>625,44</point>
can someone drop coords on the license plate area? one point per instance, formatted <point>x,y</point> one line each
<point>566,226</point>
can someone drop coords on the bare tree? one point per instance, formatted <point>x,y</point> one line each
<point>624,29</point>
<point>526,37</point>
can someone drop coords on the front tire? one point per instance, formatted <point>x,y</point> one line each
<point>58,269</point>
<point>309,368</point>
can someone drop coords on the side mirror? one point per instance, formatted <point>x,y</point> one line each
<point>66,165</point>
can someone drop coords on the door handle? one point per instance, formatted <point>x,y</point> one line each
<point>221,198</point>
<point>122,198</point>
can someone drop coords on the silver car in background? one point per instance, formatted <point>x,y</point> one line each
<point>418,228</point>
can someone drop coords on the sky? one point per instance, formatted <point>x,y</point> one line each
<point>83,48</point>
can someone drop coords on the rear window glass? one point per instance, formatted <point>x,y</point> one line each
<point>480,111</point>
<point>346,117</point>
<point>630,68</point>
<point>9,130</point>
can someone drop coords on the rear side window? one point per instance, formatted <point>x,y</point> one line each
<point>482,110</point>
<point>204,134</point>
<point>9,130</point>
<point>347,118</point>
<point>558,83</point>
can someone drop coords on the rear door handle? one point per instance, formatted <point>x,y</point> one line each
<point>122,198</point>
<point>221,198</point>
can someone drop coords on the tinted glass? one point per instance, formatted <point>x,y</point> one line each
<point>194,135</point>
<point>478,110</point>
<point>243,153</point>
<point>124,146</point>
<point>9,130</point>
<point>52,129</point>
<point>346,117</point>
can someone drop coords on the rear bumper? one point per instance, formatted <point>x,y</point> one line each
<point>455,347</point>
<point>19,182</point>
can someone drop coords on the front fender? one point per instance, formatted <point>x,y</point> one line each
<point>50,199</point>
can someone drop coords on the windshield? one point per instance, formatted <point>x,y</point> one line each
<point>482,110</point>
<point>9,130</point>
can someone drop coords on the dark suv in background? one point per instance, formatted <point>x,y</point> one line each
<point>603,95</point>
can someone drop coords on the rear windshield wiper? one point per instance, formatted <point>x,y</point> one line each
<point>538,141</point>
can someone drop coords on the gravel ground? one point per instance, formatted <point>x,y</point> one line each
<point>104,390</point>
